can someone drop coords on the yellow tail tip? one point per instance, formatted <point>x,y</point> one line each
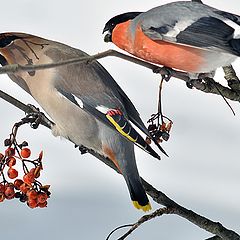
<point>144,208</point>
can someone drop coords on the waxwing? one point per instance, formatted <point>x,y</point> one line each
<point>87,106</point>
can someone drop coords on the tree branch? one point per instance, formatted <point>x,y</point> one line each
<point>231,77</point>
<point>199,84</point>
<point>159,212</point>
<point>158,196</point>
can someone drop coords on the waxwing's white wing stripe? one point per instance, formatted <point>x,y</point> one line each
<point>236,28</point>
<point>73,99</point>
<point>79,101</point>
<point>102,109</point>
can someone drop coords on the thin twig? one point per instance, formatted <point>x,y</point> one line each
<point>213,227</point>
<point>145,218</point>
<point>117,228</point>
<point>226,92</point>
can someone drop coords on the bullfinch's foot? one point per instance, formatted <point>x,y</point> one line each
<point>165,72</point>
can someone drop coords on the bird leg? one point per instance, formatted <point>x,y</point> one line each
<point>82,149</point>
<point>35,118</point>
<point>165,72</point>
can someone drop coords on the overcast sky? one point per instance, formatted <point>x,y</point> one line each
<point>89,199</point>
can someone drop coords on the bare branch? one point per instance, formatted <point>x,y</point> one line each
<point>231,77</point>
<point>143,219</point>
<point>213,227</point>
<point>228,93</point>
<point>28,109</point>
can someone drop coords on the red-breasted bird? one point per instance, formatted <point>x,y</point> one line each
<point>87,106</point>
<point>184,35</point>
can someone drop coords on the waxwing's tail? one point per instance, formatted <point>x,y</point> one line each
<point>138,194</point>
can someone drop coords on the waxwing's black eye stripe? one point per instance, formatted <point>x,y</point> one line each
<point>3,60</point>
<point>6,40</point>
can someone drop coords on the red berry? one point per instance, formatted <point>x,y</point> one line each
<point>32,194</point>
<point>28,178</point>
<point>24,188</point>
<point>32,173</point>
<point>42,205</point>
<point>10,152</point>
<point>12,173</point>
<point>1,156</point>
<point>32,203</point>
<point>42,197</point>
<point>9,192</point>
<point>11,161</point>
<point>17,183</point>
<point>25,152</point>
<point>2,188</point>
<point>2,197</point>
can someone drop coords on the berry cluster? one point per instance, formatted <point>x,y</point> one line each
<point>160,132</point>
<point>27,189</point>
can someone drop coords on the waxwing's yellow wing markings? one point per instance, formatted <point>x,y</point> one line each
<point>120,129</point>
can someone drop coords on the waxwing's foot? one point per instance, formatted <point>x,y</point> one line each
<point>35,117</point>
<point>83,149</point>
<point>165,72</point>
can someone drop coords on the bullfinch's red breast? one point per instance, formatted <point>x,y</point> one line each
<point>184,35</point>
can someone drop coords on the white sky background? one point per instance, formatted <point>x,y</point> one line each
<point>89,199</point>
